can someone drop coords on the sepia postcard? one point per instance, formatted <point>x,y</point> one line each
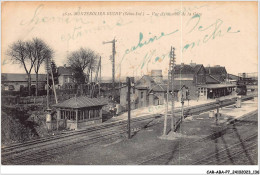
<point>130,83</point>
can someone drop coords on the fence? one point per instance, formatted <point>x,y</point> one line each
<point>40,100</point>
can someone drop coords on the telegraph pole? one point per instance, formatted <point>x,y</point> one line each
<point>172,63</point>
<point>53,84</point>
<point>113,65</point>
<point>47,74</point>
<point>48,115</point>
<point>129,106</point>
<point>99,77</point>
<point>170,85</point>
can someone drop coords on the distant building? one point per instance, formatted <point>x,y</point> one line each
<point>217,72</point>
<point>124,99</point>
<point>191,76</point>
<point>18,82</point>
<point>66,80</point>
<point>248,78</point>
<point>218,82</point>
<point>149,90</point>
<point>233,78</point>
<point>191,82</point>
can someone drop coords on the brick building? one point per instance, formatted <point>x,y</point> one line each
<point>191,82</point>
<point>191,76</point>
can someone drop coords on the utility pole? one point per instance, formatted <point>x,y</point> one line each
<point>170,86</point>
<point>167,100</point>
<point>113,65</point>
<point>47,74</point>
<point>129,106</point>
<point>53,84</point>
<point>182,103</point>
<point>172,66</point>
<point>48,115</point>
<point>99,77</point>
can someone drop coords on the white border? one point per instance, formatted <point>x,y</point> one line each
<point>87,169</point>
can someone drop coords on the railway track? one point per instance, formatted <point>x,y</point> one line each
<point>77,137</point>
<point>50,152</point>
<point>235,150</point>
<point>9,149</point>
<point>164,157</point>
<point>14,153</point>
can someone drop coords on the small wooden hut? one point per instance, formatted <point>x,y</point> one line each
<point>79,111</point>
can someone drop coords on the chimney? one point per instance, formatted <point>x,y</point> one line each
<point>192,64</point>
<point>182,64</point>
<point>64,65</point>
<point>157,76</point>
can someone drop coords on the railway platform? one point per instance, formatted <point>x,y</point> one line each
<point>160,109</point>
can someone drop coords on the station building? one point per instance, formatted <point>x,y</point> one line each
<point>191,82</point>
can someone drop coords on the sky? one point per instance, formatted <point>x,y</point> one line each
<point>208,33</point>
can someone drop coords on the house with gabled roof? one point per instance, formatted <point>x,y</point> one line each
<point>190,76</point>
<point>217,72</point>
<point>149,90</point>
<point>66,80</point>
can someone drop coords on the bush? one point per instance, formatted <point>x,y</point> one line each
<point>14,131</point>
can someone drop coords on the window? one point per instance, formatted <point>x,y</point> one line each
<point>79,115</point>
<point>11,87</point>
<point>198,90</point>
<point>86,114</point>
<point>61,115</point>
<point>142,94</point>
<point>73,115</point>
<point>91,114</point>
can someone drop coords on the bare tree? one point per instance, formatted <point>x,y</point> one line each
<point>21,53</point>
<point>82,60</point>
<point>41,51</point>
